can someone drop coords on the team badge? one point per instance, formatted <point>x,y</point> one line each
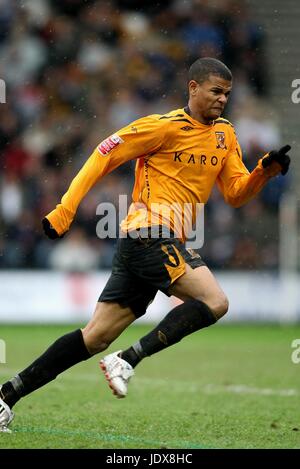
<point>109,144</point>
<point>220,136</point>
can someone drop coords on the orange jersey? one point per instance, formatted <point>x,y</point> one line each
<point>178,162</point>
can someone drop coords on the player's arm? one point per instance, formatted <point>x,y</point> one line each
<point>136,140</point>
<point>238,185</point>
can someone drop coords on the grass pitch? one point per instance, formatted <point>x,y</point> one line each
<point>229,386</point>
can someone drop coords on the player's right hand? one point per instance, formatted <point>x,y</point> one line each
<point>280,156</point>
<point>49,230</point>
<point>57,223</point>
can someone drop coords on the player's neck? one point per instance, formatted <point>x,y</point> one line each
<point>196,115</point>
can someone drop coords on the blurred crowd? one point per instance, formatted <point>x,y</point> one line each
<point>75,71</point>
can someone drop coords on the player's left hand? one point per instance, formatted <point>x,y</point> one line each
<point>280,156</point>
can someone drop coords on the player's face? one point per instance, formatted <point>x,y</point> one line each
<point>210,97</point>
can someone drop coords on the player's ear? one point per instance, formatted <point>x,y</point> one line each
<point>193,86</point>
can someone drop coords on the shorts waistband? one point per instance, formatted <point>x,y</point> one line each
<point>154,231</point>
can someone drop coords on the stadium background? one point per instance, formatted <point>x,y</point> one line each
<point>75,71</point>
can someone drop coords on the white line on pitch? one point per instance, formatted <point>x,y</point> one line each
<point>186,386</point>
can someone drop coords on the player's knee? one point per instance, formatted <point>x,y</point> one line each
<point>94,342</point>
<point>219,305</point>
<point>97,347</point>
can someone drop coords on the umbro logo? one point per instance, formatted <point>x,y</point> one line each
<point>187,128</point>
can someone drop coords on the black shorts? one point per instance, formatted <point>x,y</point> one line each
<point>144,265</point>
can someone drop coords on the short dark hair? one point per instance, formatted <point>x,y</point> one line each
<point>202,68</point>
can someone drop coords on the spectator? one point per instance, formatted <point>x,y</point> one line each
<point>76,71</point>
<point>74,254</point>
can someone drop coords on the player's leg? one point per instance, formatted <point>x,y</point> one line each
<point>134,295</point>
<point>99,333</point>
<point>200,284</point>
<point>167,265</point>
<point>204,303</point>
<point>107,323</point>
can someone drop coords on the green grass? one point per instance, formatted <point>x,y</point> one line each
<point>228,386</point>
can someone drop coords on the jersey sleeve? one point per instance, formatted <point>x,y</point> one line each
<point>138,139</point>
<point>237,185</point>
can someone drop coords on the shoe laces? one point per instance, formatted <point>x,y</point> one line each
<point>120,368</point>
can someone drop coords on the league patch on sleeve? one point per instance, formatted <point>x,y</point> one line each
<point>109,144</point>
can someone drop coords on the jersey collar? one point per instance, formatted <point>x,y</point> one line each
<point>187,110</point>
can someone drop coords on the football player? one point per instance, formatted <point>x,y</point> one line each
<point>179,157</point>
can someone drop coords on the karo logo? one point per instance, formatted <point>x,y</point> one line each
<point>109,144</point>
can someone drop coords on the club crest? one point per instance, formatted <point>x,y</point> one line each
<point>220,136</point>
